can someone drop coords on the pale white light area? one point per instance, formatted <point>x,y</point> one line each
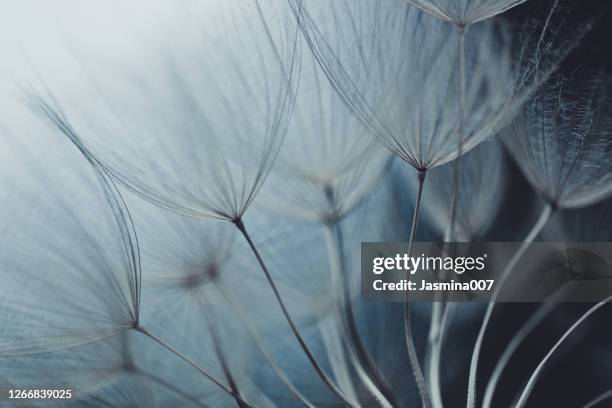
<point>63,42</point>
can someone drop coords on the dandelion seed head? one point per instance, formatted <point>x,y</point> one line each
<point>397,70</point>
<point>197,131</point>
<point>70,260</point>
<point>562,143</point>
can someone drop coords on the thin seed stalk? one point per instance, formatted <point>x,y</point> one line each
<point>239,310</point>
<point>417,207</point>
<point>434,353</point>
<point>324,377</point>
<point>187,360</point>
<point>439,307</point>
<point>334,343</point>
<point>412,354</point>
<point>520,336</point>
<point>462,30</point>
<point>367,370</point>
<point>443,313</point>
<point>233,385</point>
<point>600,398</point>
<point>435,340</point>
<point>536,373</point>
<point>537,227</point>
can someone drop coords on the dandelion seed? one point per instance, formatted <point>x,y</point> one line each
<point>396,83</point>
<point>462,14</point>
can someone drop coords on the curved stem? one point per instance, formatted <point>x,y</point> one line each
<point>437,336</point>
<point>518,338</point>
<point>536,373</point>
<point>438,307</point>
<point>233,385</point>
<point>433,356</point>
<point>239,310</point>
<point>537,227</point>
<point>433,361</point>
<point>296,333</point>
<point>412,354</point>
<point>366,368</point>
<point>186,359</point>
<point>457,163</point>
<point>334,343</point>
<point>600,398</point>
<point>417,207</point>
